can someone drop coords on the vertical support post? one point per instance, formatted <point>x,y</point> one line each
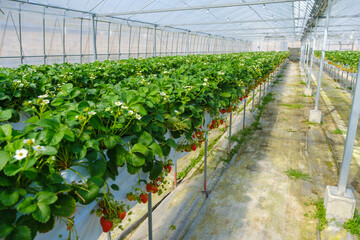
<point>260,95</point>
<point>129,51</point>
<point>177,44</point>
<point>147,41</point>
<point>160,43</point>
<point>150,216</point>
<point>311,63</point>
<point>81,30</point>
<point>187,43</point>
<point>154,53</point>
<point>43,32</point>
<point>94,35</point>
<point>108,42</point>
<point>205,162</point>
<point>253,102</point>
<point>20,38</point>
<point>63,40</point>
<point>350,137</point>
<point>209,42</point>
<point>244,117</point>
<point>109,235</point>
<point>175,174</point>
<point>120,29</point>
<point>307,61</point>
<point>323,55</point>
<point>138,45</point>
<point>230,125</point>
<point>167,42</point>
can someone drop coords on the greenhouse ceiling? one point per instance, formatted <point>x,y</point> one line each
<point>244,20</point>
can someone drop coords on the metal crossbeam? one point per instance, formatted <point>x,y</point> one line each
<point>240,4</point>
<point>252,29</point>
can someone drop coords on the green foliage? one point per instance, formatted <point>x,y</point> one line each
<point>101,116</point>
<point>353,225</point>
<point>297,174</point>
<point>346,60</point>
<point>338,131</point>
<point>293,106</point>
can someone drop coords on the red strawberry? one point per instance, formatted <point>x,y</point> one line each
<point>122,214</point>
<point>154,189</point>
<point>193,147</point>
<point>217,125</point>
<point>105,224</point>
<point>211,127</point>
<point>230,107</point>
<point>200,127</point>
<point>148,187</point>
<point>168,167</point>
<point>104,211</point>
<point>193,136</point>
<point>241,99</point>
<point>228,110</point>
<point>143,197</point>
<point>221,121</point>
<point>130,196</point>
<point>213,122</point>
<point>186,150</point>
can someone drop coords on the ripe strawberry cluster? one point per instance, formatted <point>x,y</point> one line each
<point>151,187</point>
<point>111,213</point>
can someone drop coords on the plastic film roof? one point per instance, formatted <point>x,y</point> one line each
<point>237,19</point>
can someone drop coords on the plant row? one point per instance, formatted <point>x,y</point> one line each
<point>102,116</point>
<point>345,60</point>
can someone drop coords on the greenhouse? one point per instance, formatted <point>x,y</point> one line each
<point>179,119</point>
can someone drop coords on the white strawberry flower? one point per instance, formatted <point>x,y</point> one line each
<point>176,112</point>
<point>77,116</point>
<point>131,112</point>
<point>43,96</point>
<point>205,80</point>
<point>204,84</point>
<point>124,107</point>
<point>30,141</point>
<point>29,102</point>
<point>21,85</point>
<point>39,148</point>
<point>21,154</point>
<point>163,94</point>
<point>107,109</point>
<point>138,116</point>
<point>17,81</point>
<point>45,101</point>
<point>91,113</point>
<point>118,103</point>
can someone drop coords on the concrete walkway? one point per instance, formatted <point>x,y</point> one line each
<point>253,197</point>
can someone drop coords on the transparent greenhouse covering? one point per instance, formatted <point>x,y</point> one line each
<point>38,31</point>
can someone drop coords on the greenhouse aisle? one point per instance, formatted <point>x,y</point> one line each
<point>254,197</point>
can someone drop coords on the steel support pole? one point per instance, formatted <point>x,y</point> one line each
<point>311,62</point>
<point>147,42</point>
<point>43,33</point>
<point>175,174</point>
<point>244,117</point>
<point>94,35</point>
<point>81,37</point>
<point>138,44</point>
<point>253,102</point>
<point>154,50</point>
<point>150,216</point>
<point>167,43</point>
<point>109,235</point>
<point>323,55</point>
<point>160,43</point>
<point>205,162</point>
<point>307,60</point>
<point>129,48</point>
<point>20,38</point>
<point>187,43</point>
<point>230,130</point>
<point>63,36</point>
<point>120,36</point>
<point>108,42</point>
<point>350,137</point>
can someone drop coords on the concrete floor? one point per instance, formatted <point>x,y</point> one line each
<point>252,197</point>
